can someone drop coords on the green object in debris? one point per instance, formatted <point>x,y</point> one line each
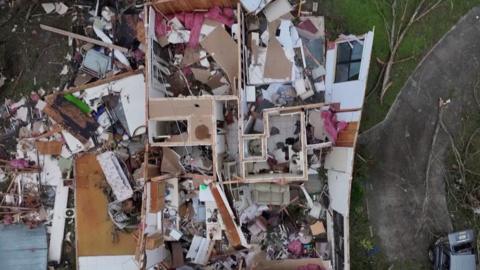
<point>65,164</point>
<point>78,103</point>
<point>203,187</point>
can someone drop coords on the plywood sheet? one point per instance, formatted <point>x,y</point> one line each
<point>94,228</point>
<point>290,264</point>
<point>177,255</point>
<point>157,196</point>
<point>221,46</point>
<point>49,147</point>
<point>346,137</point>
<point>171,162</point>
<point>202,75</point>
<point>179,108</point>
<point>154,241</point>
<point>277,65</point>
<point>317,228</point>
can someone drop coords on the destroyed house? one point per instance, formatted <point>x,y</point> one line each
<point>257,112</point>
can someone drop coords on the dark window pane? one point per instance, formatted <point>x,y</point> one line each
<point>357,51</point>
<point>354,71</point>
<point>341,73</point>
<point>349,56</point>
<point>343,52</point>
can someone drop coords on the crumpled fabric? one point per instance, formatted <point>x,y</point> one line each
<point>331,126</point>
<point>310,266</point>
<point>193,21</point>
<point>19,163</point>
<point>295,247</point>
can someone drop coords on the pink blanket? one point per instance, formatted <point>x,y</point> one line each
<point>331,126</point>
<point>193,21</point>
<point>19,163</point>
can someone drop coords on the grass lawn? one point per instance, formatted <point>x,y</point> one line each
<point>360,16</point>
<point>364,252</point>
<point>463,196</point>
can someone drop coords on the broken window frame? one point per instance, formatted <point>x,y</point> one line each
<point>351,45</point>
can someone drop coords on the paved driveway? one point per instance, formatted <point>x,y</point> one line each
<point>401,144</point>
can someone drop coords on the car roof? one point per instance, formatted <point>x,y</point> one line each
<point>461,237</point>
<point>462,262</point>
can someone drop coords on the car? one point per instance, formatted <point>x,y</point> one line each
<point>455,252</point>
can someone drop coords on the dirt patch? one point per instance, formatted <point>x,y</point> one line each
<point>31,58</point>
<point>407,209</point>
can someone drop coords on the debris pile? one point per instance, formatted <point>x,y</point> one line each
<point>197,54</point>
<point>101,111</point>
<point>227,199</point>
<point>95,54</point>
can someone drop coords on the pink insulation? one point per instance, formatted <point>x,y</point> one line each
<point>331,126</point>
<point>193,21</point>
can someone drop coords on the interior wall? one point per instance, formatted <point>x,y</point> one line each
<point>179,108</point>
<point>339,185</point>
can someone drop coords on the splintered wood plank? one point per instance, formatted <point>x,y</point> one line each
<point>94,232</point>
<point>157,196</point>
<point>346,137</point>
<point>49,147</point>
<point>154,241</point>
<point>83,38</point>
<point>177,255</point>
<point>230,226</point>
<point>222,47</point>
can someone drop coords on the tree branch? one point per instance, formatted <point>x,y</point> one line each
<point>432,7</point>
<point>417,11</point>
<point>467,147</point>
<point>404,59</point>
<point>393,37</point>
<point>404,13</point>
<point>397,32</point>
<point>438,124</point>
<point>379,80</point>
<point>472,172</point>
<point>456,152</point>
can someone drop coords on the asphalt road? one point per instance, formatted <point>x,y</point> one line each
<point>400,146</point>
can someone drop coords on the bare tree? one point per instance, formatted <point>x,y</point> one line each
<point>403,14</point>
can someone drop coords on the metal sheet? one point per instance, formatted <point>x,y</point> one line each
<point>23,248</point>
